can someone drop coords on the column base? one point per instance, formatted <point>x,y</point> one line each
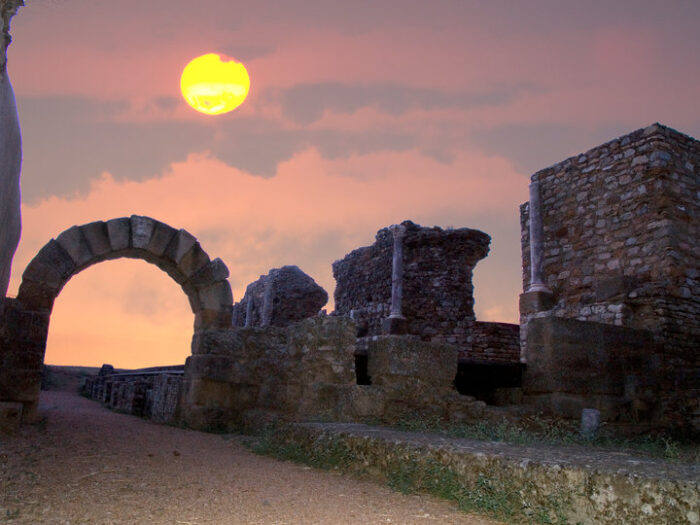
<point>394,326</point>
<point>533,302</point>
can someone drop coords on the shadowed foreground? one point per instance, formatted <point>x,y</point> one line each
<point>85,464</point>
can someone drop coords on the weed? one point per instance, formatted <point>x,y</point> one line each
<point>537,430</point>
<point>11,514</point>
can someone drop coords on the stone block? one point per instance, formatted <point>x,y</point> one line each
<point>75,245</point>
<point>215,296</point>
<point>181,244</point>
<point>161,238</point>
<point>193,261</point>
<point>141,231</point>
<point>583,358</point>
<point>533,302</point>
<point>213,272</point>
<point>119,231</point>
<point>97,238</point>
<point>213,319</point>
<point>52,266</point>
<point>210,367</point>
<point>10,417</point>
<point>392,358</point>
<point>213,394</point>
<point>36,296</point>
<point>218,342</point>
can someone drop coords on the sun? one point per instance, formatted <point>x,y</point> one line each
<point>214,84</point>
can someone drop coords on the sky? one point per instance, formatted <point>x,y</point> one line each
<point>361,115</point>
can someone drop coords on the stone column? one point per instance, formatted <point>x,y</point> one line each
<point>396,322</point>
<point>536,241</point>
<point>538,297</point>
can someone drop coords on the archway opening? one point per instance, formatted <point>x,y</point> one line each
<point>124,312</point>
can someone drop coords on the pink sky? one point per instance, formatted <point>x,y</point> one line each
<point>359,116</point>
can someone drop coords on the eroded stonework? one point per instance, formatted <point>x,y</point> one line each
<point>284,296</point>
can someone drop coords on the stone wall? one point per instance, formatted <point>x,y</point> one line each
<point>283,296</point>
<point>437,299</point>
<point>153,393</point>
<point>494,342</point>
<point>579,364</point>
<point>621,247</point>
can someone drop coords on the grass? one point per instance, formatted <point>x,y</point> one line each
<point>537,430</point>
<point>496,498</point>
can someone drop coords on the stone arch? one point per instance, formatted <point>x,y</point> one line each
<point>24,321</point>
<point>176,252</point>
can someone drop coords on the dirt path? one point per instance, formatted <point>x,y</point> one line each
<point>87,465</point>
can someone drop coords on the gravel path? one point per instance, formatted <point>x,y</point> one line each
<point>86,465</point>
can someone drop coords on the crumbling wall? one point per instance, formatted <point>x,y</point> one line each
<point>437,285</point>
<point>283,296</point>
<point>621,247</point>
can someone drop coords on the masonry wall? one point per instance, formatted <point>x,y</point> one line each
<point>621,247</point>
<point>437,283</point>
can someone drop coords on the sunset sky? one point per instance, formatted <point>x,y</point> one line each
<point>361,114</point>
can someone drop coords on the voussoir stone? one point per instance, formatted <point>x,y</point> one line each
<point>180,245</point>
<point>141,231</point>
<point>74,243</point>
<point>51,266</point>
<point>97,238</point>
<point>161,238</point>
<point>119,232</point>
<point>193,261</point>
<point>217,295</point>
<point>35,296</point>
<point>215,271</point>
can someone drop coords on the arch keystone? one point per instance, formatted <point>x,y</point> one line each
<point>141,231</point>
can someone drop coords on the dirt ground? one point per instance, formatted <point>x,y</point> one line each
<point>86,465</point>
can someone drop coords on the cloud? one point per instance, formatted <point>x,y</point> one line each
<point>306,103</point>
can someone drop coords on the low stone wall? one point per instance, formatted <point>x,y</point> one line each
<point>567,485</point>
<point>151,392</point>
<point>577,364</point>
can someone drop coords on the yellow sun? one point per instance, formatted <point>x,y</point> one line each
<point>214,84</point>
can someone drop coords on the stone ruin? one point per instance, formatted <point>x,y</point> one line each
<point>283,296</point>
<point>610,317</point>
<point>609,314</point>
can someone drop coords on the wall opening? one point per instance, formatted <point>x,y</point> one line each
<point>124,312</point>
